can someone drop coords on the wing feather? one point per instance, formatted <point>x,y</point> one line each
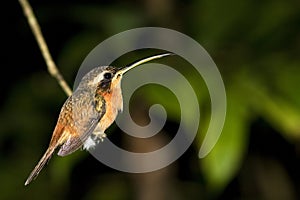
<point>86,116</point>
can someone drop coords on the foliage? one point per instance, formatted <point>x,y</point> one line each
<point>255,45</point>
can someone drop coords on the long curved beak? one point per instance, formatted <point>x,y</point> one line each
<point>142,61</point>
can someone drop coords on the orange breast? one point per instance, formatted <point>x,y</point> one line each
<point>113,104</point>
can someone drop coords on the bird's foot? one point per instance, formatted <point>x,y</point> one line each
<point>100,136</point>
<point>89,144</point>
<point>93,140</point>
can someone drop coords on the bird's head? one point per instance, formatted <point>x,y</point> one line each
<point>106,78</point>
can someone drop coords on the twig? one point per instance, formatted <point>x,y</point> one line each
<point>53,70</point>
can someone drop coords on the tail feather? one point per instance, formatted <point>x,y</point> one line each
<point>35,172</point>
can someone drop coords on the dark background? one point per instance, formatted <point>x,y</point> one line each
<point>256,46</point>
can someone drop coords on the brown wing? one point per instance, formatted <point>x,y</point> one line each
<point>87,110</point>
<point>75,142</point>
<point>77,120</point>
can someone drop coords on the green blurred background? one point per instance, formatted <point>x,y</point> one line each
<point>256,46</point>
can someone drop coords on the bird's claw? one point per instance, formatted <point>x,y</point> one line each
<point>99,136</point>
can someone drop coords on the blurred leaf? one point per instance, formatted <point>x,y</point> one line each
<point>273,94</point>
<point>281,113</point>
<point>223,162</point>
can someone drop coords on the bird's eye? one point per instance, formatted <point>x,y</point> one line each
<point>107,75</point>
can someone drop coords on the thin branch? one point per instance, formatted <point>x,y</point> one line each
<point>53,70</point>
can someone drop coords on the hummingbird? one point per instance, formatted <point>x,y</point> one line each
<point>88,112</point>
